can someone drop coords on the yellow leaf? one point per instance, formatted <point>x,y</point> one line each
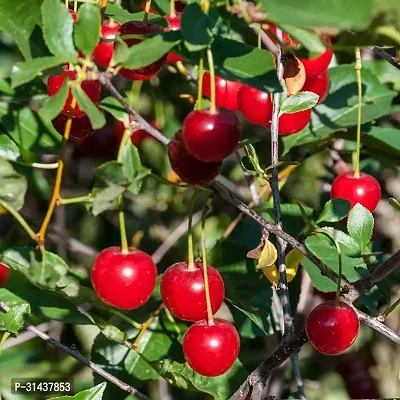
<point>293,260</point>
<point>268,255</point>
<point>271,273</point>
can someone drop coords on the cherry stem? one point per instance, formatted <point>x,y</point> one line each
<point>3,340</point>
<point>259,36</point>
<point>103,6</point>
<point>339,253</point>
<point>75,200</point>
<point>146,11</point>
<point>359,90</point>
<point>159,113</point>
<point>213,108</point>
<point>124,317</point>
<point>40,237</point>
<point>75,6</point>
<point>146,325</point>
<point>210,318</point>
<point>66,4</point>
<point>200,82</point>
<point>172,12</point>
<point>384,315</point>
<point>190,233</point>
<point>19,218</point>
<point>121,215</point>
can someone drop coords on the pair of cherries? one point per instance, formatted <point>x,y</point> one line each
<point>209,347</point>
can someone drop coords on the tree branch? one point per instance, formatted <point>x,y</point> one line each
<point>78,356</point>
<point>386,56</point>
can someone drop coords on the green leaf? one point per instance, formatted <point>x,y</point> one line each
<point>220,387</point>
<point>392,201</point>
<point>339,110</point>
<point>347,244</point>
<point>322,247</point>
<point>94,393</point>
<point>322,13</point>
<point>57,30</point>
<point>334,210</point>
<point>87,28</point>
<point>15,317</point>
<point>114,107</point>
<point>25,71</point>
<point>196,28</point>
<point>121,15</point>
<point>18,19</point>
<point>53,105</point>
<point>6,88</point>
<point>360,225</point>
<point>103,199</point>
<point>239,273</point>
<point>298,102</point>
<point>8,149</point>
<point>12,185</point>
<point>151,49</point>
<point>96,117</point>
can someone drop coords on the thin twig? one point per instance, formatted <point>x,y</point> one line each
<point>78,356</point>
<point>386,56</point>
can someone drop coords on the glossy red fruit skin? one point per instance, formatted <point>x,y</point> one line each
<point>4,274</point>
<point>104,50</point>
<point>182,291</point>
<point>80,128</point>
<point>332,328</point>
<point>292,123</point>
<point>319,64</point>
<point>211,136</point>
<point>211,350</point>
<point>124,281</point>
<point>102,145</point>
<point>364,190</point>
<point>138,135</point>
<point>318,84</point>
<point>286,39</point>
<point>141,28</point>
<point>174,25</point>
<point>255,105</point>
<point>226,92</point>
<point>188,168</point>
<point>73,15</point>
<point>91,88</point>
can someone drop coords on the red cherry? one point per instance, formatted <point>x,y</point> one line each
<point>91,88</point>
<point>188,168</point>
<point>80,128</point>
<point>211,349</point>
<point>286,39</point>
<point>179,6</point>
<point>255,105</point>
<point>364,190</point>
<point>317,65</point>
<point>104,50</point>
<point>226,92</point>
<point>141,28</point>
<point>183,293</point>
<point>332,328</point>
<point>211,136</point>
<point>138,135</point>
<point>318,84</point>
<point>124,281</point>
<point>292,123</point>
<point>360,385</point>
<point>102,145</point>
<point>174,25</point>
<point>4,274</point>
<point>73,15</point>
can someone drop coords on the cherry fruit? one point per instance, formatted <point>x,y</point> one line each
<point>226,92</point>
<point>104,51</point>
<point>255,105</point>
<point>332,328</point>
<point>183,291</point>
<point>141,28</point>
<point>4,274</point>
<point>80,128</point>
<point>174,22</point>
<point>124,281</point>
<point>318,84</point>
<point>364,189</point>
<point>91,88</point>
<point>292,123</point>
<point>211,135</point>
<point>317,65</point>
<point>211,349</point>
